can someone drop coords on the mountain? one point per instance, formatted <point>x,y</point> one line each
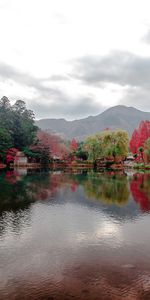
<point>120,116</point>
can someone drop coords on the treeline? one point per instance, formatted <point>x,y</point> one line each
<point>19,132</point>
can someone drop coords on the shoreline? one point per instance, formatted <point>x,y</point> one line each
<point>77,166</point>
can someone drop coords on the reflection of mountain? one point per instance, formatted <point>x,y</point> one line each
<point>140,188</point>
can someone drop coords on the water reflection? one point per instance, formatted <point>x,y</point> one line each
<point>140,187</point>
<point>81,236</point>
<point>111,189</point>
<point>19,191</point>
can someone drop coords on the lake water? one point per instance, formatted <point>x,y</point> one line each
<point>74,236</point>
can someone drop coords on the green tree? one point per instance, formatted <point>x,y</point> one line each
<point>5,114</point>
<point>115,143</point>
<point>81,153</point>
<point>5,142</point>
<point>107,144</point>
<point>92,147</point>
<point>24,129</point>
<point>17,127</point>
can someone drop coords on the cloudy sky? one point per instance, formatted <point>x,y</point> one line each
<point>74,58</point>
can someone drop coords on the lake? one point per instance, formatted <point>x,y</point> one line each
<point>74,236</point>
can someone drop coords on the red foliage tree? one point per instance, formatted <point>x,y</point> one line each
<point>139,137</point>
<point>73,145</point>
<point>134,142</point>
<point>10,155</point>
<point>51,143</point>
<point>144,132</point>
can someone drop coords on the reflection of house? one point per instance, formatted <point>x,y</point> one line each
<point>20,159</point>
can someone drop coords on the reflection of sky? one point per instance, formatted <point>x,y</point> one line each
<point>105,232</point>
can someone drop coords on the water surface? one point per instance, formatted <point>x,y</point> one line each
<point>74,236</point>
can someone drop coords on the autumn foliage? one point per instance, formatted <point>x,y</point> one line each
<point>10,155</point>
<point>73,145</point>
<point>46,147</point>
<point>54,143</point>
<point>139,137</point>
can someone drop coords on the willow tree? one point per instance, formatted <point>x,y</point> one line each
<point>92,147</point>
<point>115,143</point>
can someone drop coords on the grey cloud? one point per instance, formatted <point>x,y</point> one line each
<point>79,108</point>
<point>137,97</point>
<point>9,73</point>
<point>123,68</point>
<point>50,101</point>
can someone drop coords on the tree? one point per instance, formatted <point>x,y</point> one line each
<point>107,144</point>
<point>24,129</point>
<point>5,142</point>
<point>114,144</point>
<point>138,139</point>
<point>10,155</point>
<point>40,150</point>
<point>53,142</point>
<point>134,141</point>
<point>5,114</point>
<point>92,147</point>
<point>144,132</point>
<point>46,147</point>
<point>73,145</point>
<point>81,153</point>
<point>17,128</point>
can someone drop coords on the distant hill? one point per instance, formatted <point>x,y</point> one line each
<point>115,117</point>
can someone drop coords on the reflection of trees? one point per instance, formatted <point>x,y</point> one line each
<point>140,188</point>
<point>18,192</point>
<point>107,188</point>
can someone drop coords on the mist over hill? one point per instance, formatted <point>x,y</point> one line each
<point>127,118</point>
